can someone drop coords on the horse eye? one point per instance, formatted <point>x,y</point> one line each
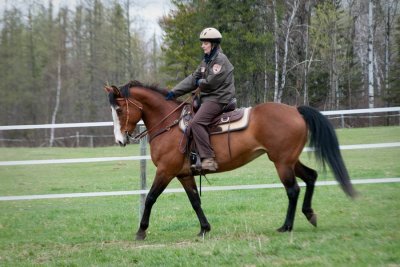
<point>118,110</point>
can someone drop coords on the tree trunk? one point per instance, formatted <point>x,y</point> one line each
<point>371,97</point>
<point>286,50</point>
<point>58,93</point>
<point>370,56</point>
<point>131,73</point>
<point>307,64</point>
<point>276,45</point>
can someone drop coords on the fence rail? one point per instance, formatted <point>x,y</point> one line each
<point>181,190</point>
<point>146,157</point>
<point>110,123</point>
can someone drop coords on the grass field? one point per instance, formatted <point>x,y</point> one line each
<point>99,231</point>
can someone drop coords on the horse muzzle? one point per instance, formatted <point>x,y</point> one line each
<point>122,139</point>
<point>121,144</point>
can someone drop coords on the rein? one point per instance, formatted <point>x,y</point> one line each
<point>147,131</point>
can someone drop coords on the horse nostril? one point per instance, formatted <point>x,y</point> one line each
<point>121,144</point>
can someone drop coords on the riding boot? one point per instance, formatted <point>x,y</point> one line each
<point>209,164</point>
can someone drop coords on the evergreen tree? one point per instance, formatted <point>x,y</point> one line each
<point>15,74</point>
<point>181,47</point>
<point>393,96</point>
<point>245,41</point>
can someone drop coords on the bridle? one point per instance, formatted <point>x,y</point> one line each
<point>127,101</point>
<point>147,131</point>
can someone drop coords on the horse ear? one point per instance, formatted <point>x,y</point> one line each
<point>113,89</point>
<point>116,91</point>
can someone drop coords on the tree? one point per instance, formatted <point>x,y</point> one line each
<point>390,9</point>
<point>15,74</point>
<point>327,34</point>
<point>393,94</point>
<point>245,41</point>
<point>288,25</point>
<point>61,61</point>
<point>180,46</point>
<point>371,99</point>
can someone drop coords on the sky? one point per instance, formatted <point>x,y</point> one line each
<point>145,13</point>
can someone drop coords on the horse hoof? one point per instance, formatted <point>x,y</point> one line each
<point>313,219</point>
<point>140,236</point>
<point>284,228</point>
<point>203,232</point>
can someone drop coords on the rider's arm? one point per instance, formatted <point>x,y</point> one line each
<point>188,84</point>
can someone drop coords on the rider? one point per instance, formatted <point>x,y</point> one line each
<point>214,78</point>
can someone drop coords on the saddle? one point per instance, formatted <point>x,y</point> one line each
<point>235,120</point>
<point>227,122</point>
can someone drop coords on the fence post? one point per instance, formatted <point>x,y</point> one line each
<point>143,183</point>
<point>342,119</point>
<point>77,139</point>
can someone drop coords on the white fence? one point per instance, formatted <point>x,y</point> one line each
<point>181,190</point>
<point>145,157</point>
<point>340,113</point>
<point>83,137</point>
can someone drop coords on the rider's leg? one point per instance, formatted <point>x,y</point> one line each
<point>203,117</point>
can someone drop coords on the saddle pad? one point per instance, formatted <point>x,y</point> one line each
<point>223,123</point>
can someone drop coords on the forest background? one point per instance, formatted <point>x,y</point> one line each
<point>330,54</point>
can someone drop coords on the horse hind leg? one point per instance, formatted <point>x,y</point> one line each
<point>189,184</point>
<point>309,176</point>
<point>286,174</point>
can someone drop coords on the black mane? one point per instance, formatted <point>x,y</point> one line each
<point>154,87</point>
<point>124,89</point>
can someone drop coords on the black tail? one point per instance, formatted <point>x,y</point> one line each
<point>323,139</point>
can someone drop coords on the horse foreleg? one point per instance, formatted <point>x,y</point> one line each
<point>309,176</point>
<point>189,184</point>
<point>159,184</point>
<point>286,174</point>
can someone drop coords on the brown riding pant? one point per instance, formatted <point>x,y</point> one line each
<point>203,117</point>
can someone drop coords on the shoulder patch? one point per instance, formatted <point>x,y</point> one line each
<point>216,68</point>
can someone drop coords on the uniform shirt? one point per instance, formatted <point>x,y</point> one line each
<point>216,80</point>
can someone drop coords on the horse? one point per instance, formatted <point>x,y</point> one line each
<point>278,130</point>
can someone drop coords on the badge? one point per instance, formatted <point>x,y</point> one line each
<point>216,68</point>
<point>203,69</point>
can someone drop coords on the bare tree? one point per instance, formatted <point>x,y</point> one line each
<point>276,48</point>
<point>61,50</point>
<point>288,28</point>
<point>370,55</point>
<point>57,104</point>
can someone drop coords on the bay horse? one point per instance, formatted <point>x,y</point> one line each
<point>278,130</point>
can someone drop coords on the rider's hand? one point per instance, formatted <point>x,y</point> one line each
<point>200,81</point>
<point>170,95</point>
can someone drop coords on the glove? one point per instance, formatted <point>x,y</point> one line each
<point>170,95</point>
<point>200,81</point>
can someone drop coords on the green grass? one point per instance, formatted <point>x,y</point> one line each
<point>99,231</point>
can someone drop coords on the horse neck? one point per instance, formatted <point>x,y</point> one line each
<point>155,107</point>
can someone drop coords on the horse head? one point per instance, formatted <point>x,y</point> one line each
<point>126,112</point>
